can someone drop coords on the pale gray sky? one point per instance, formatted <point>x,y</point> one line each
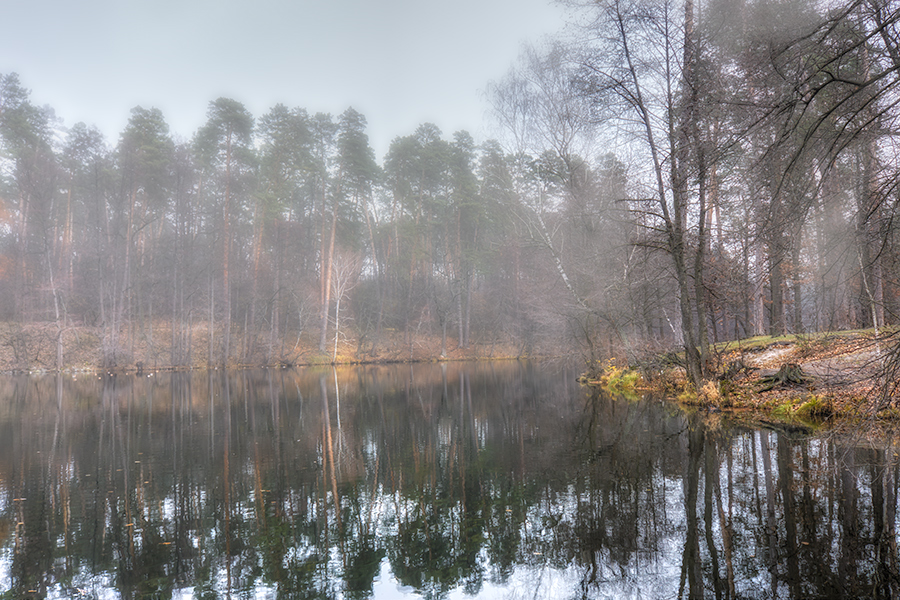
<point>399,62</point>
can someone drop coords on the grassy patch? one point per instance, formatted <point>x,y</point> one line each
<point>709,395</point>
<point>616,380</point>
<point>752,344</point>
<point>810,410</point>
<point>783,410</point>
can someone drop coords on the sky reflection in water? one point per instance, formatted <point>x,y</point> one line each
<point>486,480</point>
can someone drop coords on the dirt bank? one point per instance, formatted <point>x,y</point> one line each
<point>45,348</point>
<point>833,374</point>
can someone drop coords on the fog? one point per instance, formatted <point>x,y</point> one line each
<point>620,207</point>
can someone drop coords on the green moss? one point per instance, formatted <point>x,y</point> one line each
<point>815,407</point>
<point>810,411</point>
<point>784,410</point>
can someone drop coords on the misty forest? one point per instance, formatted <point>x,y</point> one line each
<point>661,177</point>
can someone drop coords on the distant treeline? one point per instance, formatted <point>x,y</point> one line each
<point>665,176</point>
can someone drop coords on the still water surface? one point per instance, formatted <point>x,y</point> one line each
<point>487,480</point>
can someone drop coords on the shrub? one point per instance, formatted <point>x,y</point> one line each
<point>709,394</point>
<point>688,396</point>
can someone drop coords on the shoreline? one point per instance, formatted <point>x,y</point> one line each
<point>41,348</point>
<point>807,380</point>
<point>244,367</point>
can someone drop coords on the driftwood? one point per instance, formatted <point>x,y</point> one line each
<point>788,374</point>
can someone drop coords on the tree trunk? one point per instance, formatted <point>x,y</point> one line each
<point>326,296</point>
<point>22,256</point>
<point>275,328</point>
<point>211,325</point>
<point>226,255</point>
<point>776,292</point>
<point>797,284</point>
<point>758,308</point>
<point>379,273</point>
<point>700,295</point>
<point>250,332</point>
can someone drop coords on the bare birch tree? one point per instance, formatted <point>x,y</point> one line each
<point>642,68</point>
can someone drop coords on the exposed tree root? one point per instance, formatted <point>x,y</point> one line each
<point>788,374</point>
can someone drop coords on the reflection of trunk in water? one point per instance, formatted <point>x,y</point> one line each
<point>259,493</point>
<point>786,483</point>
<point>98,521</point>
<point>62,470</point>
<point>124,443</point>
<point>819,544</point>
<point>771,526</point>
<point>182,489</point>
<point>690,561</point>
<point>226,482</point>
<point>726,525</point>
<point>711,470</point>
<point>754,452</point>
<point>329,458</point>
<point>884,503</point>
<point>459,439</point>
<point>337,410</point>
<point>848,514</point>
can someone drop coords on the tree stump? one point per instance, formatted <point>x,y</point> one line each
<point>788,374</point>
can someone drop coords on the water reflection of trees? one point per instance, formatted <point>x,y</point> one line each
<point>310,484</point>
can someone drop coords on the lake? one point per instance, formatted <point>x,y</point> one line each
<point>455,480</point>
